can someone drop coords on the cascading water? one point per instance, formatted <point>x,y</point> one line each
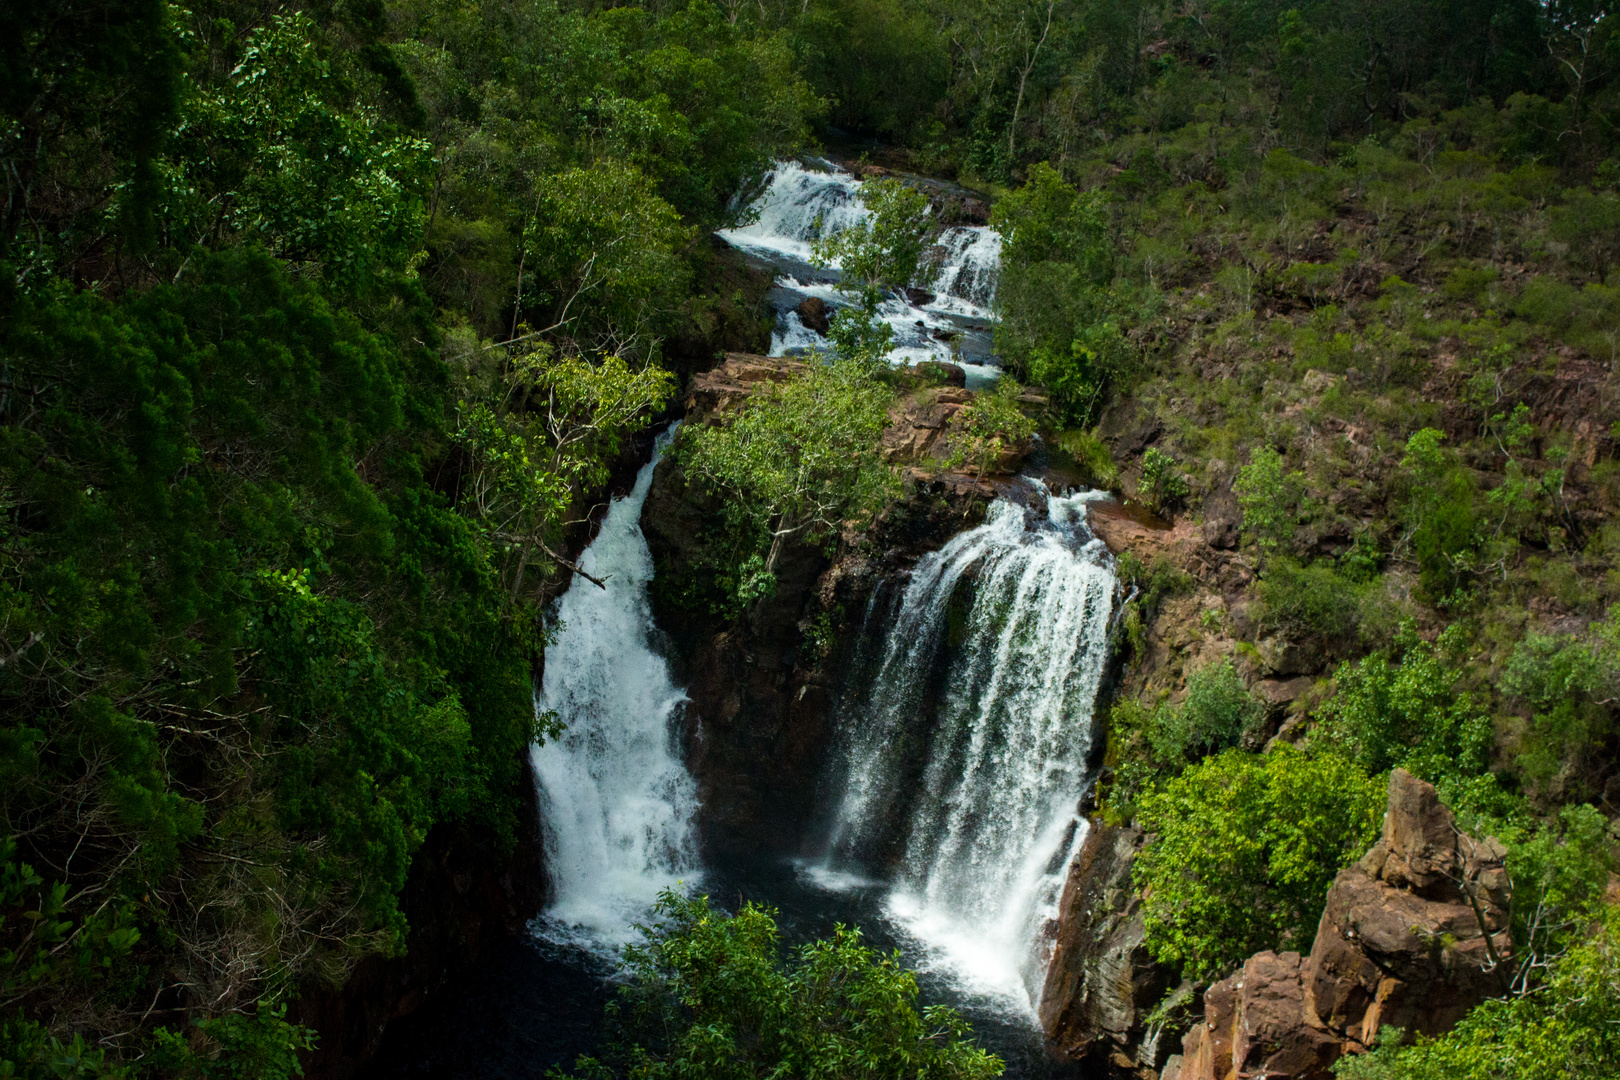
<point>802,203</point>
<point>798,207</point>
<point>966,740</point>
<point>617,802</point>
<point>969,264</point>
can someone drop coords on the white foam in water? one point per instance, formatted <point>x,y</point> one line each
<point>617,803</point>
<point>798,207</point>
<point>801,205</point>
<point>990,834</point>
<point>965,283</point>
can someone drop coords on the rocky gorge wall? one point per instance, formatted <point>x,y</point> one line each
<point>1414,935</point>
<point>757,729</point>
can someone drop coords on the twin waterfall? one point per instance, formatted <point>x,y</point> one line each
<point>964,735</point>
<point>966,718</point>
<point>967,725</point>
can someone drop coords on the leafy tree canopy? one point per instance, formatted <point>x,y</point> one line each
<point>710,995</point>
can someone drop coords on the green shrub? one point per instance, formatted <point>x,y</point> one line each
<point>1568,682</point>
<point>1245,847</point>
<point>1093,457</point>
<point>1401,707</point>
<point>993,424</point>
<point>1147,746</point>
<point>708,995</point>
<point>1162,487</point>
<point>1269,496</point>
<point>1314,601</point>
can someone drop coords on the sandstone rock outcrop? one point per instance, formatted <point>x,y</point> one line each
<point>1414,935</point>
<point>1101,982</point>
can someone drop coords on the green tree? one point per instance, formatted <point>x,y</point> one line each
<point>538,428</point>
<point>710,995</point>
<point>883,250</point>
<point>1244,849</point>
<point>1268,495</point>
<point>1163,487</point>
<point>880,252</point>
<point>600,256</point>
<point>1441,514</point>
<point>1401,707</point>
<point>1147,747</point>
<point>1057,315</point>
<point>800,459</point>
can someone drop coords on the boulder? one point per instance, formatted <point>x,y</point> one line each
<point>1415,933</point>
<point>1223,520</point>
<point>1101,981</point>
<point>1268,1038</point>
<point>713,393</point>
<point>815,314</point>
<point>943,373</point>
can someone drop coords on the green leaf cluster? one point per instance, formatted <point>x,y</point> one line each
<point>798,461</point>
<point>1245,847</point>
<point>709,994</point>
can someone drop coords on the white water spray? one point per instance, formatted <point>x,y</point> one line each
<point>990,826</point>
<point>617,803</point>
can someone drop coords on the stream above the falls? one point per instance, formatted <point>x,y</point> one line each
<point>947,313</point>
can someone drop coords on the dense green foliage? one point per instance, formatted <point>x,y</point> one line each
<point>709,994</point>
<point>802,458</point>
<point>1149,745</point>
<point>1245,849</point>
<point>317,325</point>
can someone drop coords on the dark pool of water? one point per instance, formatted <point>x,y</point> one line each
<point>533,1004</point>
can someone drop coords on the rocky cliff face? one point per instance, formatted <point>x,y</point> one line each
<point>758,724</point>
<point>1414,935</point>
<point>1101,982</point>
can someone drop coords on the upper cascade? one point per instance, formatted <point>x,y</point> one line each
<point>799,206</point>
<point>952,300</point>
<point>967,728</point>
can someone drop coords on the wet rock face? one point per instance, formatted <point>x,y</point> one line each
<point>1101,982</point>
<point>1414,935</point>
<point>758,722</point>
<point>815,314</point>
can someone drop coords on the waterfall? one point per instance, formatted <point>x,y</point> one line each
<point>798,207</point>
<point>617,802</point>
<point>801,204</point>
<point>969,262</point>
<point>966,740</point>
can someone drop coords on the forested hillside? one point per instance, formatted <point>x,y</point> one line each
<point>324,325</point>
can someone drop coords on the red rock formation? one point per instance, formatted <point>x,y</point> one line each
<point>1101,982</point>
